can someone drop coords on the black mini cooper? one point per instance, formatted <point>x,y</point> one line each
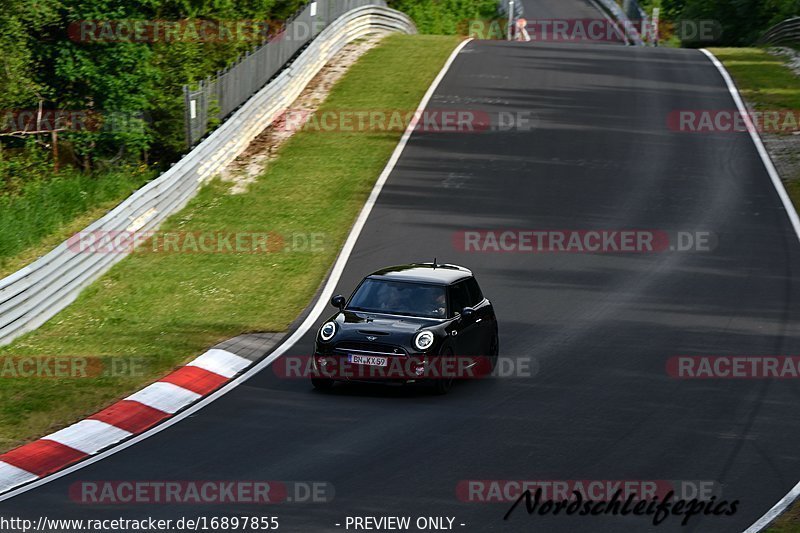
<point>415,323</point>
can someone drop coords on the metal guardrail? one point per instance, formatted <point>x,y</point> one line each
<point>633,10</point>
<point>787,31</point>
<point>34,294</point>
<point>219,96</point>
<point>630,16</point>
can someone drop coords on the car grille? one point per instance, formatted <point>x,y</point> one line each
<point>369,347</point>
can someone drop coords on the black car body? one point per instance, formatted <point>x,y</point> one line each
<point>403,317</point>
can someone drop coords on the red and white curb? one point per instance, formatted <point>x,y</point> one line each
<point>124,419</point>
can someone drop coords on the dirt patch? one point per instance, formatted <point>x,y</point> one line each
<point>785,153</point>
<point>256,157</point>
<point>790,56</point>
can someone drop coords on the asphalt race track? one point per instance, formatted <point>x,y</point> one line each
<point>559,9</point>
<point>543,15</point>
<point>600,327</point>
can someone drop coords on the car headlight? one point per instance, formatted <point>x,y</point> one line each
<point>423,340</point>
<point>327,331</point>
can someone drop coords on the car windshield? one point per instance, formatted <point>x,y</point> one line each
<point>400,298</point>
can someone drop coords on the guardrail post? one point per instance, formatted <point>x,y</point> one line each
<point>510,18</point>
<point>187,116</point>
<point>656,20</point>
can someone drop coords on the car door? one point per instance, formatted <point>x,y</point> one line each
<point>484,318</point>
<point>467,340</point>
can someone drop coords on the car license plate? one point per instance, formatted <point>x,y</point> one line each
<point>370,360</point>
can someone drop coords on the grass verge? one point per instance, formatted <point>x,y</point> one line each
<point>789,522</point>
<point>165,308</point>
<point>768,84</point>
<point>763,79</point>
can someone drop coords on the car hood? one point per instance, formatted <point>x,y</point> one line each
<point>382,326</point>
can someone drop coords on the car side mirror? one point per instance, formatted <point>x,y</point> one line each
<point>338,301</point>
<point>467,312</point>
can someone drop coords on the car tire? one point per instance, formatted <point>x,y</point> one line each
<point>443,385</point>
<point>322,384</point>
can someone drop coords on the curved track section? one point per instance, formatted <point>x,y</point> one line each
<point>580,21</point>
<point>601,327</point>
<point>558,9</point>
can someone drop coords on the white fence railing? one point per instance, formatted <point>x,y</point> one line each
<point>626,15</point>
<point>32,295</point>
<point>785,32</point>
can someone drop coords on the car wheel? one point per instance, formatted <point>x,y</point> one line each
<point>444,384</point>
<point>322,384</point>
<point>494,351</point>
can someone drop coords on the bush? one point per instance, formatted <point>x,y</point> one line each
<point>742,21</point>
<point>445,17</point>
<point>134,86</point>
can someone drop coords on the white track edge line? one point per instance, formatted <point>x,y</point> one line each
<point>793,494</point>
<point>775,512</point>
<point>762,151</point>
<point>322,302</point>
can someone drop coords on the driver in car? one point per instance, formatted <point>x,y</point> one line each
<point>440,306</point>
<point>397,299</point>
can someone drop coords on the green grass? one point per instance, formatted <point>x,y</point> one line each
<point>42,212</point>
<point>168,308</point>
<point>763,79</point>
<point>789,522</point>
<point>767,84</point>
